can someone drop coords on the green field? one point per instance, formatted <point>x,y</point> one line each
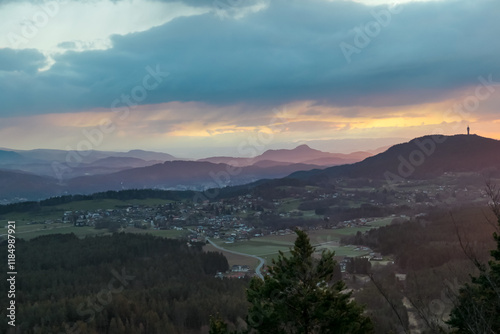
<point>289,204</point>
<point>57,211</point>
<point>257,246</point>
<point>325,239</point>
<point>269,246</point>
<point>91,205</point>
<point>158,233</point>
<point>31,231</point>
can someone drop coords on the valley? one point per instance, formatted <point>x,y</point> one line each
<point>379,231</point>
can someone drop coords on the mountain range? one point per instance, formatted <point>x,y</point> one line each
<point>32,174</point>
<point>301,154</point>
<point>54,172</point>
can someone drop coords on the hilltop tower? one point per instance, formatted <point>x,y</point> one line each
<point>468,130</point>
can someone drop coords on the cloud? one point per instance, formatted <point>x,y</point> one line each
<point>288,51</point>
<point>28,61</point>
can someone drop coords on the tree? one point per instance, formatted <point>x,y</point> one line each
<point>478,306</point>
<point>218,326</point>
<point>299,296</point>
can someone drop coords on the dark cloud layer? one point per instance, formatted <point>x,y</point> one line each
<point>289,51</point>
<point>28,61</point>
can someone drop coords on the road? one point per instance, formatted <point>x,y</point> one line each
<point>259,267</point>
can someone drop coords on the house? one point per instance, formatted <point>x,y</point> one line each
<point>236,275</point>
<point>80,222</point>
<point>240,269</point>
<point>400,277</point>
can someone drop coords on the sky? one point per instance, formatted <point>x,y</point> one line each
<point>198,78</point>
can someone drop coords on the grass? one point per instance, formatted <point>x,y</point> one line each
<point>25,231</point>
<point>289,204</point>
<point>80,232</point>
<point>57,211</point>
<point>159,233</point>
<point>234,259</point>
<point>326,239</point>
<point>256,246</point>
<point>22,218</point>
<point>310,214</point>
<point>92,205</point>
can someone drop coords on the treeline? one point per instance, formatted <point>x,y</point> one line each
<point>339,214</point>
<point>267,189</point>
<point>280,188</point>
<point>438,254</point>
<point>124,283</point>
<point>274,222</point>
<point>433,240</point>
<point>123,195</point>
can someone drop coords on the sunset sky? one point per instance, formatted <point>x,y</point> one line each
<point>196,78</point>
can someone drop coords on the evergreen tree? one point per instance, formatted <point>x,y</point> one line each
<point>300,296</point>
<point>217,325</point>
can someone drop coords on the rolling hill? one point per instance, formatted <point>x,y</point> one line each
<point>300,154</point>
<point>26,186</point>
<point>197,175</point>
<point>421,158</point>
<point>10,157</point>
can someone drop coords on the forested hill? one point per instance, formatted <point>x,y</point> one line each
<point>123,195</point>
<point>421,158</point>
<point>140,283</point>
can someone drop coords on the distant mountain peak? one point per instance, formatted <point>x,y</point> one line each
<point>422,158</point>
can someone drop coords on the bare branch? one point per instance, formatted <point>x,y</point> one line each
<point>386,297</point>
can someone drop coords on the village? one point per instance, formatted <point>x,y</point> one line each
<point>250,217</point>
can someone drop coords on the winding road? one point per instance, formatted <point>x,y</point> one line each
<point>259,267</point>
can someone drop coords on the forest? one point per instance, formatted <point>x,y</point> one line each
<point>438,252</point>
<point>145,284</point>
<point>123,283</point>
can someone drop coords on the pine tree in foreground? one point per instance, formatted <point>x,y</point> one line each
<point>299,296</point>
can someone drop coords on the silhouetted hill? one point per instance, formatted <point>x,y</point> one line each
<point>122,162</point>
<point>49,155</point>
<point>15,184</point>
<point>181,175</point>
<point>145,155</point>
<point>270,163</point>
<point>9,157</point>
<point>421,158</point>
<point>424,157</point>
<point>41,161</point>
<point>300,154</point>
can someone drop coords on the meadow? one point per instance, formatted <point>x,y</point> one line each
<point>268,247</point>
